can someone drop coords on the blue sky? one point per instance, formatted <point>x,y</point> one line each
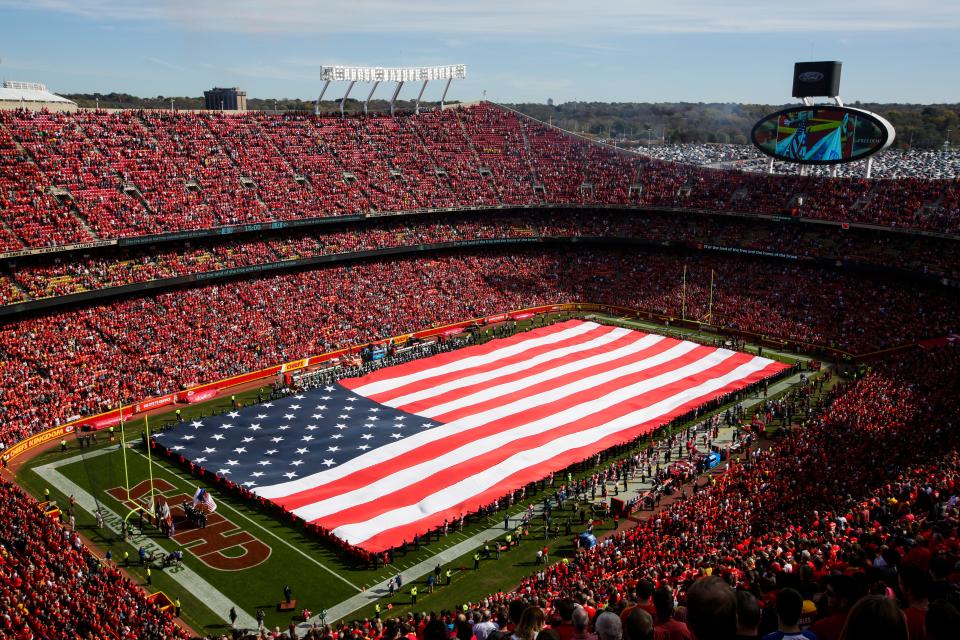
<point>524,50</point>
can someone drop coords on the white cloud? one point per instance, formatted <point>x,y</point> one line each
<point>541,18</point>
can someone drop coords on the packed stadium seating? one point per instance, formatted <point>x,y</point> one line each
<point>52,587</point>
<point>51,276</point>
<point>95,175</point>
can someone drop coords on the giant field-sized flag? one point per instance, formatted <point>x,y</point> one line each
<point>381,458</point>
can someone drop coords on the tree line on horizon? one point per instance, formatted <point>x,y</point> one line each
<point>918,126</point>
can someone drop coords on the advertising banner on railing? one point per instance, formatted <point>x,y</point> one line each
<point>293,366</point>
<point>155,403</point>
<point>36,440</point>
<point>192,397</point>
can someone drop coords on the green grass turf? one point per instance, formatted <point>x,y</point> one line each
<point>314,587</point>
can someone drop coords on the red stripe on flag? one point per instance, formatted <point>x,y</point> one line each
<point>393,537</point>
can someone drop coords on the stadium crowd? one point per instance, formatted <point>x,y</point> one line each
<point>52,587</point>
<point>51,276</point>
<point>862,499</point>
<point>91,175</point>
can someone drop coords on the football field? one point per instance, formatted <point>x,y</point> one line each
<point>250,550</point>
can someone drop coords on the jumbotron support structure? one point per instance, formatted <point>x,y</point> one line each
<point>399,75</point>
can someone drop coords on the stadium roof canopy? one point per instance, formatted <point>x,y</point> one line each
<point>32,92</point>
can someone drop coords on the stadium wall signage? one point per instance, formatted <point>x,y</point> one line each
<point>37,440</point>
<point>822,134</point>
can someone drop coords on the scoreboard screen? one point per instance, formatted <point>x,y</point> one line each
<point>823,134</point>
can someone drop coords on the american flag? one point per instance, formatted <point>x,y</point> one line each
<point>380,458</point>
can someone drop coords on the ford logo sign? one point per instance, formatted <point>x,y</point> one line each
<point>810,76</point>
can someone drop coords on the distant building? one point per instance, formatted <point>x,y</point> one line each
<point>225,99</point>
<point>32,95</point>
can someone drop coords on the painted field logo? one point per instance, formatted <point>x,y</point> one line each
<point>220,545</point>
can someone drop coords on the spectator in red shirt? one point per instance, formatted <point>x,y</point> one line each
<point>667,627</point>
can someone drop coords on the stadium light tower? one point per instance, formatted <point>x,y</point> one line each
<point>399,75</point>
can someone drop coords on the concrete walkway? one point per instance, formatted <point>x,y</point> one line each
<point>418,571</point>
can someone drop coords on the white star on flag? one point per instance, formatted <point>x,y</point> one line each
<point>196,423</point>
<point>233,463</point>
<point>270,452</point>
<point>297,463</point>
<point>276,438</point>
<point>334,448</point>
<point>302,450</point>
<point>210,450</point>
<point>363,447</point>
<point>290,474</point>
<point>396,436</point>
<point>240,450</point>
<point>328,462</point>
<point>218,436</point>
<point>233,414</point>
<point>367,436</point>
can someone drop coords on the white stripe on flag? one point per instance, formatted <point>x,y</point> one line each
<point>510,369</point>
<point>490,393</point>
<point>381,386</point>
<point>452,495</point>
<point>381,489</point>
